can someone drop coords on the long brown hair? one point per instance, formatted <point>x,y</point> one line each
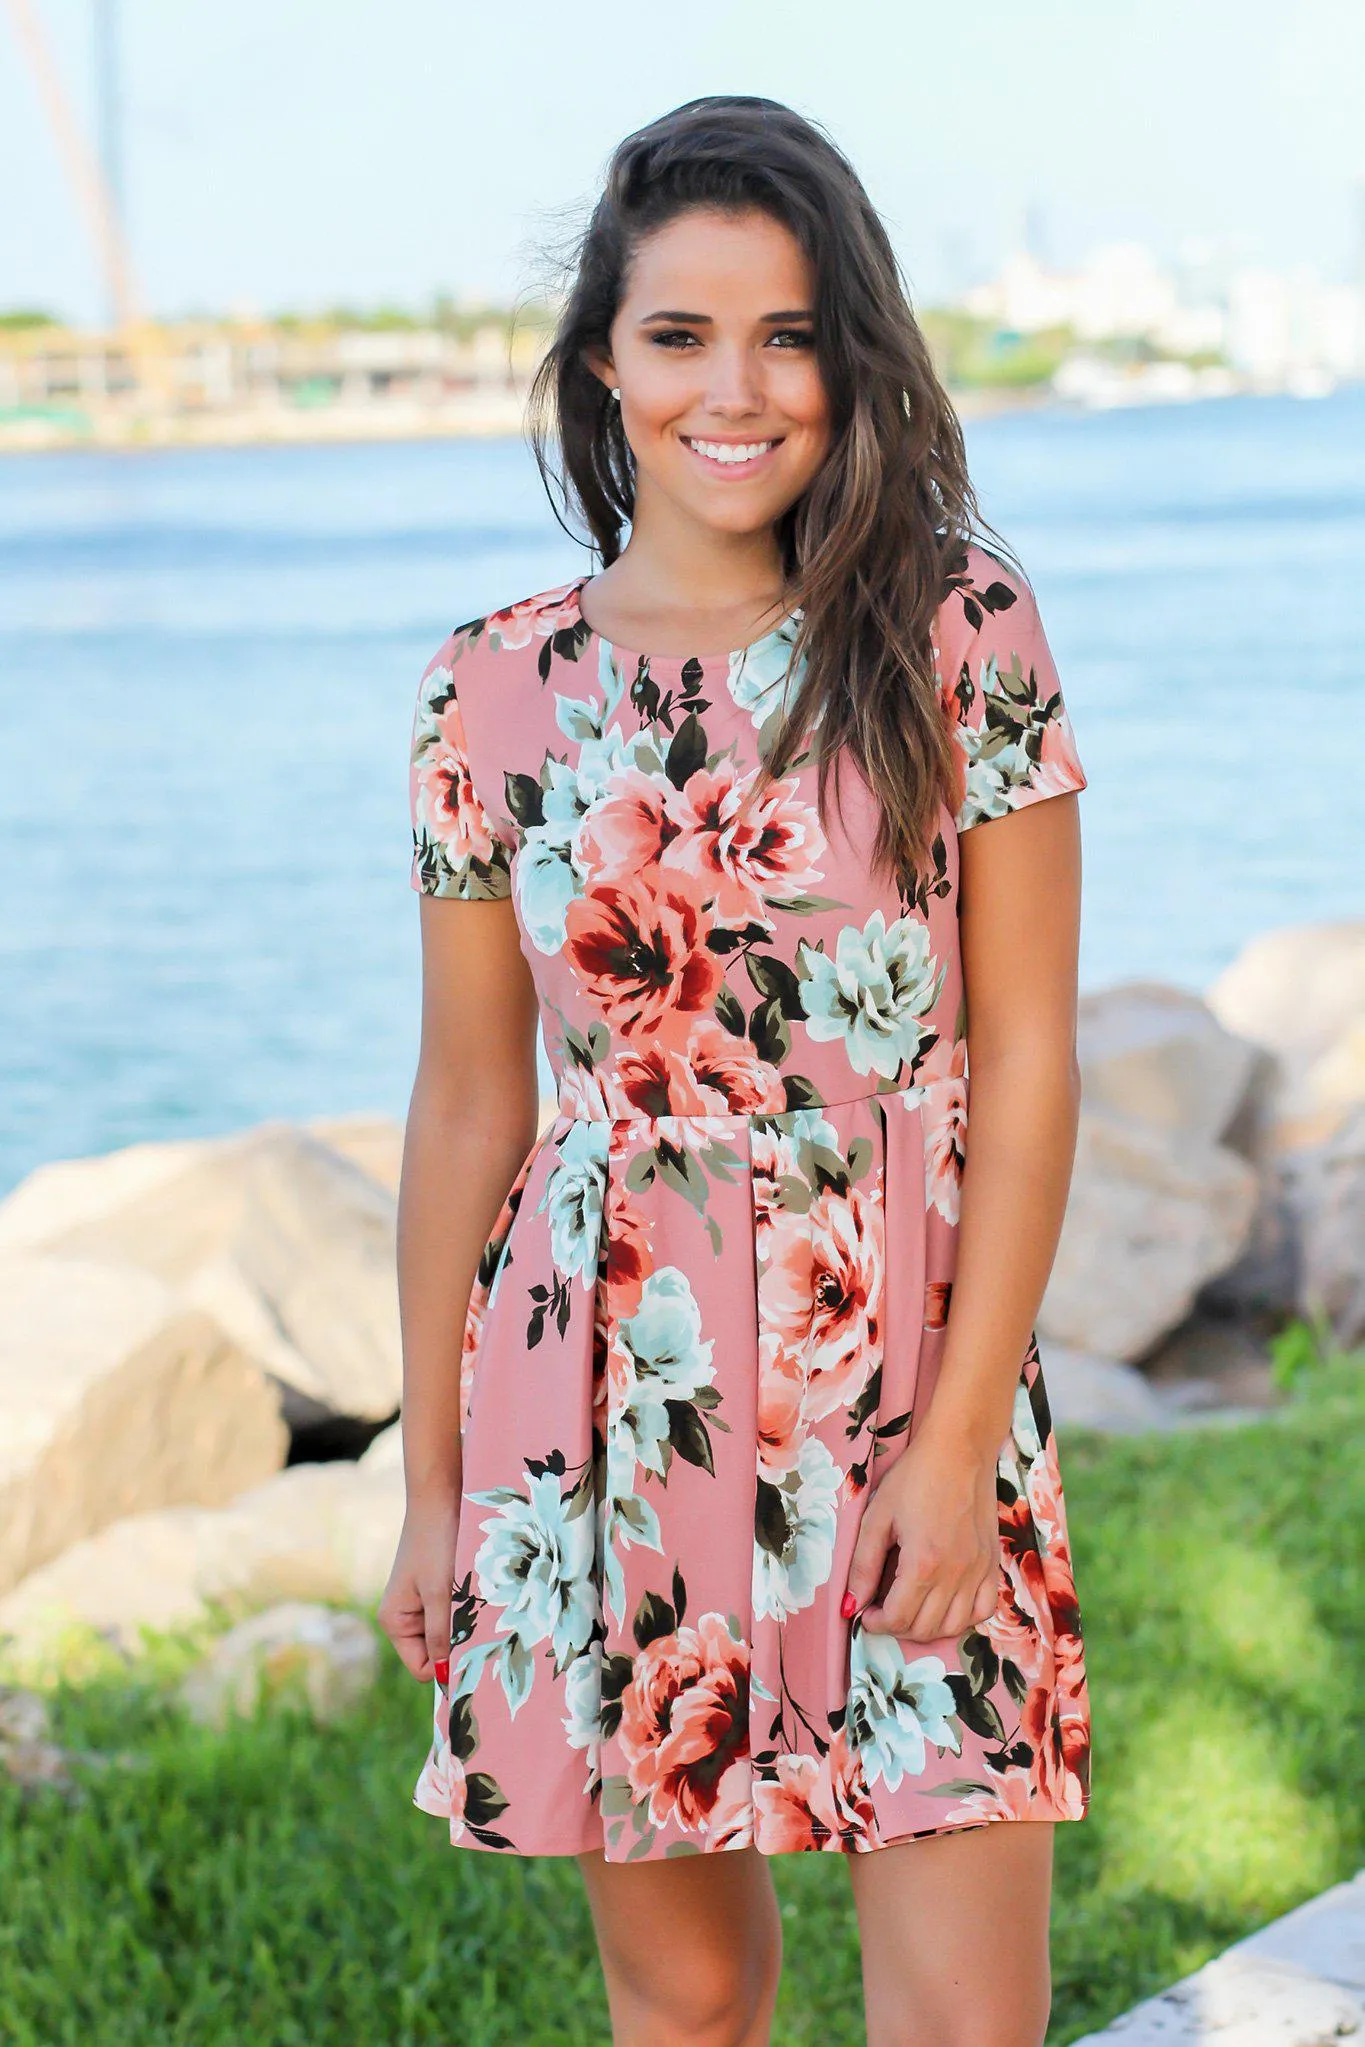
<point>872,546</point>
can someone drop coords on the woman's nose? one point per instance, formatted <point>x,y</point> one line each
<point>734,387</point>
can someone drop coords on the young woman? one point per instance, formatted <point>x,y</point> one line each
<point>723,1414</point>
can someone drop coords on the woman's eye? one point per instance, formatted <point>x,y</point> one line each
<point>794,337</point>
<point>673,337</point>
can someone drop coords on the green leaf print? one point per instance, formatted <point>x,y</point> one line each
<point>974,1709</point>
<point>730,1011</point>
<point>464,1734</point>
<point>979,1661</point>
<point>654,1617</point>
<point>687,752</point>
<point>770,1519</point>
<point>687,1434</point>
<point>484,1798</point>
<point>768,1033</point>
<point>774,978</point>
<point>525,799</point>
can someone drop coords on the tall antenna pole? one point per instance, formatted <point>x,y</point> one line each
<point>82,167</point>
<point>109,104</point>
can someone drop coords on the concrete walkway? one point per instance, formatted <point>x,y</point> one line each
<point>1299,1982</point>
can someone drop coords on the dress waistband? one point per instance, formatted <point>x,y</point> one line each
<point>574,1105</point>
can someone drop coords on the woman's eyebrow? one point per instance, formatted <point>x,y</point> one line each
<point>705,320</point>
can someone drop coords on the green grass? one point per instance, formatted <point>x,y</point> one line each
<point>274,1888</point>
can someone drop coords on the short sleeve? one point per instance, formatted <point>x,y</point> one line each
<point>456,850</point>
<point>1005,701</point>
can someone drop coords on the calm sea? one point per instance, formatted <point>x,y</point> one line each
<point>207,669</point>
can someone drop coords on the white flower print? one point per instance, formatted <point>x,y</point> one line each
<point>574,1192</point>
<point>666,1360</point>
<point>583,1704</point>
<point>872,992</point>
<point>757,673</point>
<point>535,1564</point>
<point>895,1707</point>
<point>546,885</point>
<point>794,1531</point>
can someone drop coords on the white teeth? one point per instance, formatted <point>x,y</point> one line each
<point>725,451</point>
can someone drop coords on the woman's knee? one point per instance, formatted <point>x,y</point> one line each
<point>720,1997</point>
<point>975,2022</point>
<point>692,1961</point>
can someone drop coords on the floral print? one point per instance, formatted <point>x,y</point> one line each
<point>711,1311</point>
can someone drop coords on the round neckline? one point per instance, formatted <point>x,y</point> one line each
<point>727,659</point>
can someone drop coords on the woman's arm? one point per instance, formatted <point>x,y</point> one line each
<point>471,1121</point>
<point>1019,907</point>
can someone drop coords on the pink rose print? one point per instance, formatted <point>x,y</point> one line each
<point>629,830</point>
<point>821,1290</point>
<point>684,1718</point>
<point>815,1803</point>
<point>447,803</point>
<point>773,849</point>
<point>641,954</point>
<point>534,617</point>
<point>781,1389</point>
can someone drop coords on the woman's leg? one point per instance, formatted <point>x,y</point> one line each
<point>691,1948</point>
<point>955,1937</point>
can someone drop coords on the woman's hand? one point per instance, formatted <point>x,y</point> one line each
<point>415,1609</point>
<point>927,1561</point>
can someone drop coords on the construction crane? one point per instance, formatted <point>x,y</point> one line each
<point>96,186</point>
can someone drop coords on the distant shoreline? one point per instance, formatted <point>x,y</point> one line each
<point>492,419</point>
<point>351,425</point>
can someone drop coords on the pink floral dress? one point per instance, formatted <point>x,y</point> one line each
<point>712,1309</point>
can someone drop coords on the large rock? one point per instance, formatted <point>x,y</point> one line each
<point>313,1532</point>
<point>1157,1054</point>
<point>325,1660</point>
<point>374,1143</point>
<point>116,1397</point>
<point>287,1243</point>
<point>1262,1284</point>
<point>1151,1217</point>
<point>1300,993</point>
<point>1326,1194</point>
<point>57,1201</point>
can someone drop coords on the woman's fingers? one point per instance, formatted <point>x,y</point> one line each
<point>987,1600</point>
<point>869,1559</point>
<point>416,1607</point>
<point>925,1606</point>
<point>402,1616</point>
<point>899,1599</point>
<point>437,1607</point>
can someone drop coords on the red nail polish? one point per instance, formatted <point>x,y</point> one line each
<point>848,1607</point>
<point>442,1668</point>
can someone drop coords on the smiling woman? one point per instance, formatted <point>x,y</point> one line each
<point>795,403</point>
<point>735,1524</point>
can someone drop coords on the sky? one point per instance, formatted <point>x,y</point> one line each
<point>291,154</point>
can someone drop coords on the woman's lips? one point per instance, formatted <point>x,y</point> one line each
<point>732,458</point>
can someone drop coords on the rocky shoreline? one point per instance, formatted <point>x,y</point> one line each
<point>200,1366</point>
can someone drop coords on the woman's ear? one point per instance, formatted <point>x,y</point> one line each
<point>601,365</point>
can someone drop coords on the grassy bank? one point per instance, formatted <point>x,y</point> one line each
<point>274,1887</point>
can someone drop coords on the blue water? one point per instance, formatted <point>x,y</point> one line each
<point>207,668</point>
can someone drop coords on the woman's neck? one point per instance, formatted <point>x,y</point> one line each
<point>680,564</point>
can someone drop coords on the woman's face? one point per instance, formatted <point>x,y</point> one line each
<point>712,347</point>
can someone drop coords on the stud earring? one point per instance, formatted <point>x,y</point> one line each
<point>616,392</point>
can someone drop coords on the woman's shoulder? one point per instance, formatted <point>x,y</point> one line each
<point>982,590</point>
<point>528,627</point>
